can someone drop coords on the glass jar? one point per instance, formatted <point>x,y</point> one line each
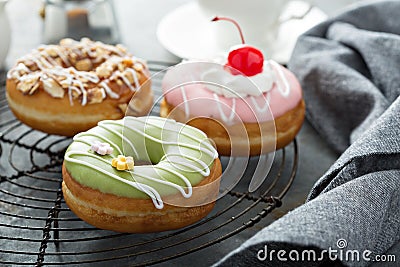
<point>80,18</point>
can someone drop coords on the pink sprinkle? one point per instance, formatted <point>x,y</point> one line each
<point>102,148</point>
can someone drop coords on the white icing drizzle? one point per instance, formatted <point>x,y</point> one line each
<point>185,102</point>
<point>86,75</point>
<point>126,81</point>
<point>18,68</point>
<point>187,161</point>
<point>63,58</point>
<point>79,138</point>
<point>135,78</point>
<point>266,104</point>
<point>38,63</point>
<point>45,62</point>
<point>48,58</point>
<point>284,92</point>
<point>207,144</point>
<point>101,124</point>
<point>29,76</point>
<point>179,188</point>
<point>211,150</point>
<point>148,190</point>
<point>223,116</point>
<point>188,164</point>
<point>84,93</point>
<point>109,91</point>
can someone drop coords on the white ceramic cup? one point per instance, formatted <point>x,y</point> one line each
<point>259,20</point>
<point>5,33</point>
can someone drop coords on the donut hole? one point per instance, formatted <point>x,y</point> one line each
<point>182,147</point>
<point>140,144</point>
<point>139,162</point>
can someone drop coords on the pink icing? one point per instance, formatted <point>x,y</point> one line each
<point>194,98</point>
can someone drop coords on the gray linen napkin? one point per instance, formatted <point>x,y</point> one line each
<point>349,68</point>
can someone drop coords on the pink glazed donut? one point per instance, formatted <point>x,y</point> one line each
<point>244,115</point>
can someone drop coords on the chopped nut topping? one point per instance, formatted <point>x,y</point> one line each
<point>52,51</point>
<point>16,74</point>
<point>77,83</point>
<point>121,48</point>
<point>138,67</point>
<point>66,42</point>
<point>123,107</point>
<point>64,85</point>
<point>28,63</point>
<point>127,62</point>
<point>83,80</point>
<point>102,71</point>
<point>28,84</point>
<point>100,51</point>
<point>121,67</point>
<point>59,61</point>
<point>73,57</point>
<point>75,93</point>
<point>55,68</point>
<point>85,41</point>
<point>53,88</point>
<point>61,78</point>
<point>95,95</point>
<point>84,65</point>
<point>34,88</point>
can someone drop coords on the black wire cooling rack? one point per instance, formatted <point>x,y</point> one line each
<point>37,227</point>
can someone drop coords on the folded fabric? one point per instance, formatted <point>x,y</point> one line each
<point>349,69</point>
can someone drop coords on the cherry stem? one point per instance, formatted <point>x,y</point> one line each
<point>234,22</point>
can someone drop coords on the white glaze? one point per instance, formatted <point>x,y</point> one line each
<point>285,88</point>
<point>185,102</point>
<point>239,85</point>
<point>224,84</point>
<point>223,116</point>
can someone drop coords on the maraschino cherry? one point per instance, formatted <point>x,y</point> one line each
<point>247,59</point>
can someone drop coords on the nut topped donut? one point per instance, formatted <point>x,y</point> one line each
<point>107,184</point>
<point>67,88</point>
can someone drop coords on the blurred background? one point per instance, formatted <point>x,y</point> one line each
<point>137,22</point>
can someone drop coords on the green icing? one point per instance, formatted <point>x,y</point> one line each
<point>169,145</point>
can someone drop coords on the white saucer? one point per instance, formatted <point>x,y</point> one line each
<point>186,33</point>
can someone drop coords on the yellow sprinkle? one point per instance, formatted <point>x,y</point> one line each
<point>114,162</point>
<point>121,165</point>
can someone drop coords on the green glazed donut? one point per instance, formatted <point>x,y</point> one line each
<point>180,157</point>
